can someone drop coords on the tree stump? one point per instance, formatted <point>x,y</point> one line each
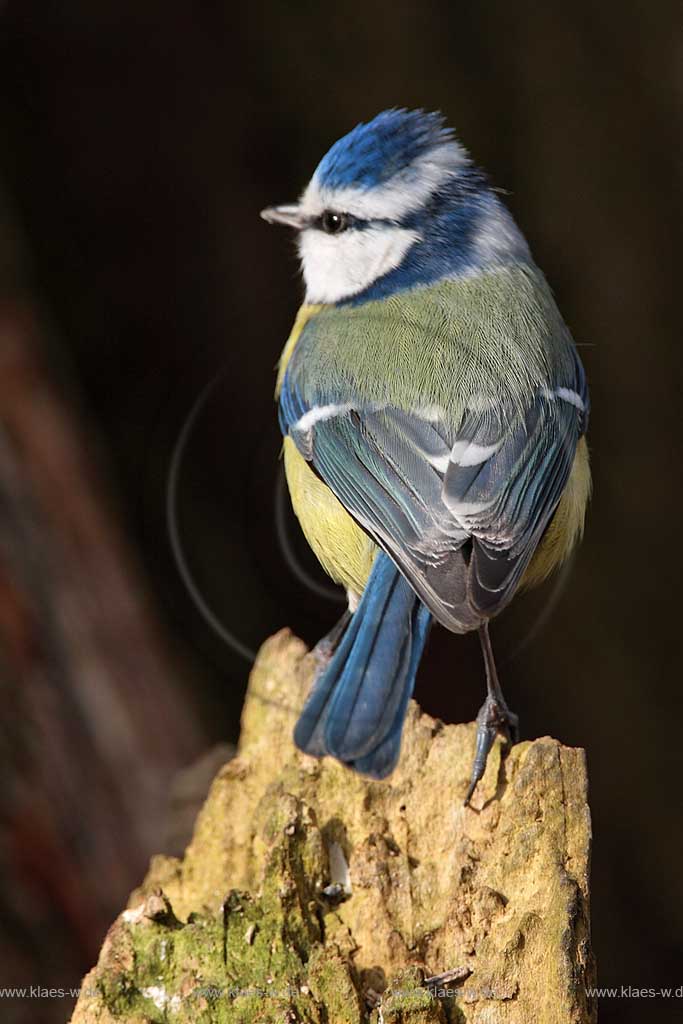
<point>311,894</point>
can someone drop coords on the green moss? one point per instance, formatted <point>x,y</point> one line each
<point>407,1001</point>
<point>331,981</point>
<point>248,963</point>
<point>261,958</point>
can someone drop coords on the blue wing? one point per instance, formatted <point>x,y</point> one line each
<point>459,507</point>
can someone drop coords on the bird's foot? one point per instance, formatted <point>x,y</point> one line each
<point>322,652</point>
<point>326,647</point>
<point>494,717</point>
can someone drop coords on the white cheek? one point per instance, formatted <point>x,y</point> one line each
<point>336,267</point>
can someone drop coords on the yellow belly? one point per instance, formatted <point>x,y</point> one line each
<point>344,550</point>
<point>566,526</point>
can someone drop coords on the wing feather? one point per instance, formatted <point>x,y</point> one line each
<point>460,504</point>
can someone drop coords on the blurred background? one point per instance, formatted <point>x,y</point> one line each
<point>138,142</point>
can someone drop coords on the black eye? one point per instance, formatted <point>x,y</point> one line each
<point>332,223</point>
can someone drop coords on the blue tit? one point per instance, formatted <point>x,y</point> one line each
<point>433,407</point>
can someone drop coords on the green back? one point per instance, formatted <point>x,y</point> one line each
<point>497,337</point>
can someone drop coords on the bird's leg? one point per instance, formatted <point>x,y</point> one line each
<point>325,648</point>
<point>494,714</point>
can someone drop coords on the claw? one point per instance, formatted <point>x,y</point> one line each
<point>325,648</point>
<point>494,717</point>
<point>322,652</point>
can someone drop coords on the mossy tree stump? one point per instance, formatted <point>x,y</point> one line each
<point>311,894</point>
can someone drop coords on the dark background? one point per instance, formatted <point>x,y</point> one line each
<point>138,142</point>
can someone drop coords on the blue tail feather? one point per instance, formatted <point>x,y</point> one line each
<point>382,761</point>
<point>356,709</point>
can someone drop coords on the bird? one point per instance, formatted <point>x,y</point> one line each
<point>434,411</point>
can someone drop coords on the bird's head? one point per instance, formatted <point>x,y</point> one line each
<point>394,204</point>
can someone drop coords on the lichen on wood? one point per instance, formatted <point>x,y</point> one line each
<point>311,894</point>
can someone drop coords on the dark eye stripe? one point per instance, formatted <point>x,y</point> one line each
<point>348,221</point>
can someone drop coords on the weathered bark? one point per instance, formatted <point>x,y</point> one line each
<point>311,894</point>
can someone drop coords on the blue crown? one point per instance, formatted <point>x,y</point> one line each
<point>373,153</point>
